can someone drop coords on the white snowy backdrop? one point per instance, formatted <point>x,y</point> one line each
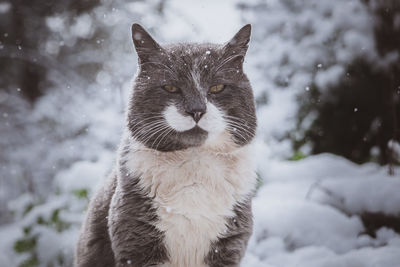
<point>310,210</point>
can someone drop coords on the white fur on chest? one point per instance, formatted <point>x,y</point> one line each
<point>194,190</point>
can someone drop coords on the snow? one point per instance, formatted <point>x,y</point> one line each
<point>84,174</point>
<point>329,77</point>
<point>298,224</point>
<point>374,198</point>
<point>321,257</point>
<point>8,236</point>
<point>4,7</point>
<point>200,21</point>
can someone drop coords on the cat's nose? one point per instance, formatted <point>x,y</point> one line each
<point>196,115</point>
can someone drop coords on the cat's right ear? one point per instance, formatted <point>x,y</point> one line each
<point>146,47</point>
<point>240,41</point>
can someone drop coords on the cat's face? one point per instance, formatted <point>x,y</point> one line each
<point>188,95</point>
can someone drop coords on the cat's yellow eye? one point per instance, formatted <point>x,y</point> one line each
<point>216,88</point>
<point>171,88</point>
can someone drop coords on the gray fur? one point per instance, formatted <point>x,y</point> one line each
<point>94,246</point>
<point>134,238</point>
<point>119,228</point>
<point>229,250</point>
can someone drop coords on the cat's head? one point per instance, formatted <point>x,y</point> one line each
<point>187,95</point>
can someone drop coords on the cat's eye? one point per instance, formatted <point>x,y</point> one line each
<point>216,88</point>
<point>171,88</point>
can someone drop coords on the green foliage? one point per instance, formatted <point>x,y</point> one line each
<point>31,262</point>
<point>53,221</point>
<point>28,208</point>
<point>81,193</point>
<point>297,156</point>
<point>56,222</point>
<point>259,181</point>
<point>27,243</point>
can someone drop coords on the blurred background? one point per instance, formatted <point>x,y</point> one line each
<point>326,76</point>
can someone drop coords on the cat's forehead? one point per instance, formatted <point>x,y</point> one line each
<point>194,51</point>
<point>192,60</point>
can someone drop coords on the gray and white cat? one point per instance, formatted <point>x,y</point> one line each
<point>180,194</point>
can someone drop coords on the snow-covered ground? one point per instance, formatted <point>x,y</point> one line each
<point>306,214</point>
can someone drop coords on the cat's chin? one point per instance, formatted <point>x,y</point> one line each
<point>193,137</point>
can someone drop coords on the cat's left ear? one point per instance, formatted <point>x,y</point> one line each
<point>146,47</point>
<point>235,50</point>
<point>240,42</point>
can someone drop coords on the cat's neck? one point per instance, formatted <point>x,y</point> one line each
<point>220,162</point>
<point>218,156</point>
<point>223,145</point>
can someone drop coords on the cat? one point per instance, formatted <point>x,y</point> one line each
<point>180,193</point>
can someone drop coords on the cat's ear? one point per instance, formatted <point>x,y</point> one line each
<point>239,43</point>
<point>146,47</point>
<point>235,50</point>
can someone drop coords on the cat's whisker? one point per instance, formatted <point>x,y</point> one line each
<point>150,136</point>
<point>237,132</point>
<point>235,119</point>
<point>151,130</point>
<point>242,135</point>
<point>144,130</point>
<point>240,124</point>
<point>248,115</point>
<point>165,134</point>
<point>146,113</point>
<point>140,127</point>
<point>138,121</point>
<point>154,131</point>
<point>162,131</point>
<point>240,127</point>
<point>139,124</point>
<point>157,115</point>
<point>247,124</point>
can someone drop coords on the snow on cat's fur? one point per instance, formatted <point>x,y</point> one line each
<point>181,192</point>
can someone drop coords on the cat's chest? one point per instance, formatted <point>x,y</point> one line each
<point>194,193</point>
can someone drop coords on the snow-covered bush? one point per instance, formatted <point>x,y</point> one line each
<point>358,113</point>
<point>327,72</point>
<point>89,62</point>
<point>49,229</point>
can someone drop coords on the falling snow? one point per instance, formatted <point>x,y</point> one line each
<point>306,212</point>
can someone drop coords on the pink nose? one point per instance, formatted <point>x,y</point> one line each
<point>196,115</point>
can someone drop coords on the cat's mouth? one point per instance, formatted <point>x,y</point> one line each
<point>196,130</point>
